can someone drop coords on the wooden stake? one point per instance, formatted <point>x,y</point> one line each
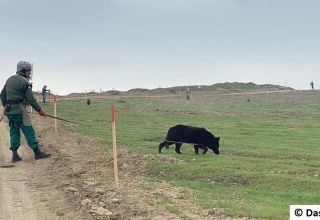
<point>55,113</point>
<point>38,101</point>
<point>114,147</point>
<point>94,174</point>
<point>37,122</point>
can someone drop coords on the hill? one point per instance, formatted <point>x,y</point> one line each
<point>226,87</point>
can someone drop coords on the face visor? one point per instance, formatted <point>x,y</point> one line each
<point>25,69</point>
<point>30,73</point>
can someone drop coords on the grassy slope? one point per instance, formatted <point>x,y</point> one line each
<point>269,146</point>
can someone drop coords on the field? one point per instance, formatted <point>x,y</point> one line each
<point>269,156</point>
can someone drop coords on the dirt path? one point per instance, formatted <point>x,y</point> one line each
<point>17,199</point>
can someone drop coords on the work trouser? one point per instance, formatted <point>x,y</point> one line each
<point>15,124</point>
<point>44,96</point>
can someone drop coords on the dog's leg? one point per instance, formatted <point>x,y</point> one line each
<point>161,145</point>
<point>178,146</point>
<point>168,143</point>
<point>204,148</point>
<point>196,149</point>
<point>165,144</point>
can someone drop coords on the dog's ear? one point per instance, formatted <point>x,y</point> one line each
<point>218,138</point>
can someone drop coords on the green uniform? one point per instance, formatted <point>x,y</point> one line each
<point>44,93</point>
<point>15,96</point>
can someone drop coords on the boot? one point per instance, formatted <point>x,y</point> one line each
<point>38,154</point>
<point>15,156</point>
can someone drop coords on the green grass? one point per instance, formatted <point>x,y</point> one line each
<point>269,146</point>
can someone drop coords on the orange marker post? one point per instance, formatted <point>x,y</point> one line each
<point>55,113</point>
<point>114,146</point>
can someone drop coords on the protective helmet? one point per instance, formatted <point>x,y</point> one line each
<point>24,65</point>
<point>24,68</point>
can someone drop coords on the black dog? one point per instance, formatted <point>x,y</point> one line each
<point>199,137</point>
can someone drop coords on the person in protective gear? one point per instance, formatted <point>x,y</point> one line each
<point>44,93</point>
<point>312,85</point>
<point>188,94</point>
<point>15,96</point>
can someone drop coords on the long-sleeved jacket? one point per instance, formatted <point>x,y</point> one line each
<point>17,91</point>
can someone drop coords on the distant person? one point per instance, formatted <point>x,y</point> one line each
<point>15,96</point>
<point>188,94</point>
<point>312,85</point>
<point>44,93</point>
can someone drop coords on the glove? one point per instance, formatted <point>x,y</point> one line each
<point>41,113</point>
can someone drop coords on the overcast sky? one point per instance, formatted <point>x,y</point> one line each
<point>79,45</point>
